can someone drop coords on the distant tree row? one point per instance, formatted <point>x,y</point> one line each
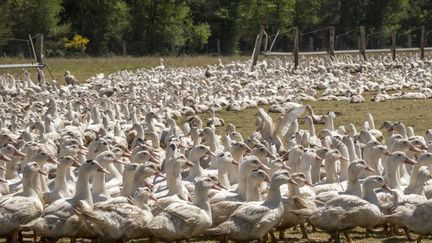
<point>171,26</point>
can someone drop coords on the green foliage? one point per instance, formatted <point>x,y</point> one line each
<point>168,26</point>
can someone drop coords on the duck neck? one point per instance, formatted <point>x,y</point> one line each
<point>29,186</point>
<point>315,171</point>
<point>212,142</point>
<point>196,170</point>
<point>369,195</point>
<point>293,190</point>
<point>82,188</point>
<point>330,168</point>
<point>60,179</point>
<point>242,182</point>
<point>114,171</point>
<point>155,141</point>
<point>174,180</point>
<point>274,195</point>
<point>344,164</point>
<point>201,199</point>
<point>253,193</point>
<point>223,175</point>
<point>392,176</point>
<point>351,150</point>
<point>127,184</point>
<point>353,185</point>
<point>99,186</point>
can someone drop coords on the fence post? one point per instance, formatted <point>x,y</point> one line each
<point>39,48</point>
<point>218,46</point>
<point>296,47</point>
<point>393,46</point>
<point>257,48</point>
<point>124,52</point>
<point>422,42</point>
<point>332,41</point>
<point>363,42</point>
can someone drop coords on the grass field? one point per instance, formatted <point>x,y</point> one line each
<point>84,68</point>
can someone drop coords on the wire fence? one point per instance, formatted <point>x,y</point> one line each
<point>319,40</point>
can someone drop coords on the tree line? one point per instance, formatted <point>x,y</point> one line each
<point>174,26</point>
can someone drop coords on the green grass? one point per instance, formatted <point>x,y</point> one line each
<point>415,113</point>
<point>84,68</point>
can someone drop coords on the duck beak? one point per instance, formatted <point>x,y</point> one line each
<point>118,161</point>
<point>82,152</point>
<point>211,153</point>
<point>343,158</point>
<point>221,186</point>
<point>154,160</point>
<point>235,162</point>
<point>148,184</point>
<point>18,153</point>
<point>264,167</point>
<point>42,172</point>
<point>386,188</point>
<point>76,163</point>
<point>286,167</point>
<point>318,158</point>
<point>424,147</point>
<point>248,150</point>
<point>152,197</point>
<point>189,163</point>
<point>414,149</point>
<point>2,168</point>
<point>267,179</point>
<point>390,129</point>
<point>4,158</point>
<point>387,153</point>
<point>410,161</point>
<point>290,180</point>
<point>52,160</point>
<point>270,155</point>
<point>103,170</point>
<point>158,173</point>
<point>216,187</point>
<point>127,154</point>
<point>308,183</point>
<point>368,168</point>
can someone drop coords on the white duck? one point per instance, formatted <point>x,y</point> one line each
<point>254,219</point>
<point>119,221</point>
<point>21,208</point>
<point>61,189</point>
<point>182,220</point>
<point>59,220</point>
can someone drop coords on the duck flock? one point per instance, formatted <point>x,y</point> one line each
<point>106,159</point>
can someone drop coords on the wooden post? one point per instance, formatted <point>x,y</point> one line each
<point>124,52</point>
<point>296,47</point>
<point>422,42</point>
<point>311,43</point>
<point>393,44</point>
<point>362,43</point>
<point>409,40</point>
<point>332,41</point>
<point>218,48</point>
<point>257,48</point>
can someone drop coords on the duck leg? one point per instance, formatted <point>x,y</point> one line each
<point>272,236</point>
<point>419,239</point>
<point>408,234</point>
<point>281,234</point>
<point>304,231</point>
<point>347,237</point>
<point>336,237</point>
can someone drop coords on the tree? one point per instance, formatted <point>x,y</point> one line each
<point>103,22</point>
